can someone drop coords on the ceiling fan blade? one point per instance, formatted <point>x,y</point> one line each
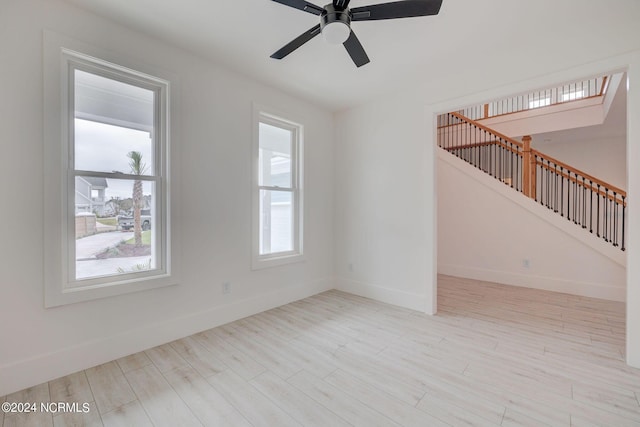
<point>397,9</point>
<point>297,42</point>
<point>341,4</point>
<point>302,5</point>
<point>356,51</point>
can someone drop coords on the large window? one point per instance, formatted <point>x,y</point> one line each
<point>114,181</point>
<point>115,175</point>
<point>277,196</point>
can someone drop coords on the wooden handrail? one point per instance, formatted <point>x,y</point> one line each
<point>452,125</point>
<point>537,153</point>
<point>484,144</point>
<point>534,152</point>
<point>491,131</point>
<point>588,186</point>
<point>579,172</point>
<point>605,85</point>
<point>474,145</point>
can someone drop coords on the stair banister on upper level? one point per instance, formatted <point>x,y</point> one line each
<point>578,196</point>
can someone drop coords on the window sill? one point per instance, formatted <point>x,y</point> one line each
<point>262,262</point>
<point>55,296</point>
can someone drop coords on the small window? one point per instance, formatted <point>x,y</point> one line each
<point>540,102</point>
<point>277,195</point>
<point>573,95</point>
<point>115,196</point>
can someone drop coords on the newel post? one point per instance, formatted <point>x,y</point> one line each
<point>526,165</point>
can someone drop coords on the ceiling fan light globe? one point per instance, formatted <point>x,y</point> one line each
<point>336,32</point>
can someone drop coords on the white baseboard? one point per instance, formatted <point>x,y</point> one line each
<point>390,296</point>
<point>586,289</point>
<point>46,367</point>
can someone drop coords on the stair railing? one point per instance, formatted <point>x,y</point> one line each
<point>488,150</point>
<point>583,199</point>
<point>576,91</point>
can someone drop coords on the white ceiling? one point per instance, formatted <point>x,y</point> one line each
<point>242,34</point>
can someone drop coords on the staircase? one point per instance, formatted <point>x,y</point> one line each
<point>588,202</point>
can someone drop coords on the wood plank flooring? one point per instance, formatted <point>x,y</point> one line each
<point>494,355</point>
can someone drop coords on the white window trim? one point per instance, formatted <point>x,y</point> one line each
<point>59,227</point>
<point>273,117</point>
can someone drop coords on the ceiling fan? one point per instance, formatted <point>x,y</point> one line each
<point>336,18</point>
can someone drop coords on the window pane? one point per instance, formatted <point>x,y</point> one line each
<point>276,222</point>
<point>275,156</point>
<point>105,227</point>
<point>541,102</point>
<point>111,119</point>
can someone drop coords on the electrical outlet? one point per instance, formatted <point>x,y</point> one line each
<point>226,287</point>
<point>526,263</point>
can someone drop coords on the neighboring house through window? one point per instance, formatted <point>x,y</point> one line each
<point>90,195</point>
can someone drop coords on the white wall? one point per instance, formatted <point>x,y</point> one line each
<point>604,158</point>
<point>382,230</point>
<point>212,133</point>
<point>633,192</point>
<point>486,231</point>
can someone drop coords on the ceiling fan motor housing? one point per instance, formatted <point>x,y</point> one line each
<point>335,24</point>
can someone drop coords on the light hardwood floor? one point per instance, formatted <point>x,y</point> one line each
<point>494,355</point>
